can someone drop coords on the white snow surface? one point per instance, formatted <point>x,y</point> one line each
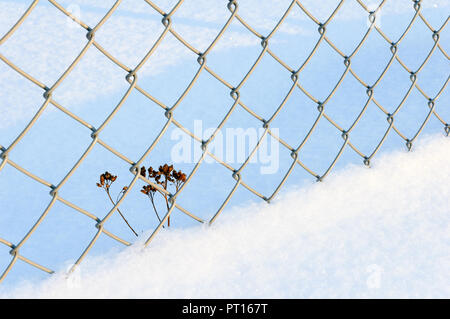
<point>379,232</point>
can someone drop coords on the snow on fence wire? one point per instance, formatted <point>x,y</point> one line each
<point>170,110</point>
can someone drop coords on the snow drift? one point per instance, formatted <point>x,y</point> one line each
<point>379,232</point>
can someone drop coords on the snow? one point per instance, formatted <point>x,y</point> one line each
<point>379,232</point>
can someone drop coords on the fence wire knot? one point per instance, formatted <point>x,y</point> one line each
<point>372,17</point>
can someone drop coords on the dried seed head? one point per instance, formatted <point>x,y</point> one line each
<point>106,179</point>
<point>179,176</point>
<point>143,171</point>
<point>148,189</point>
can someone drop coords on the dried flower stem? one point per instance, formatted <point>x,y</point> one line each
<point>118,210</point>
<point>150,195</point>
<point>167,201</point>
<point>106,180</point>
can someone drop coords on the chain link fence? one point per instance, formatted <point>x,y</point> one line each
<point>170,111</point>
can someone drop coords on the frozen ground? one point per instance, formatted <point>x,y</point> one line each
<point>380,232</point>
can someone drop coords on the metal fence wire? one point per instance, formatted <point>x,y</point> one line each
<point>167,19</point>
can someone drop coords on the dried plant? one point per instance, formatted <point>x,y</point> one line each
<point>106,180</point>
<point>165,176</point>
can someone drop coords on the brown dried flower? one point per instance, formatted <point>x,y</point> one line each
<point>165,175</point>
<point>148,189</point>
<point>106,179</point>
